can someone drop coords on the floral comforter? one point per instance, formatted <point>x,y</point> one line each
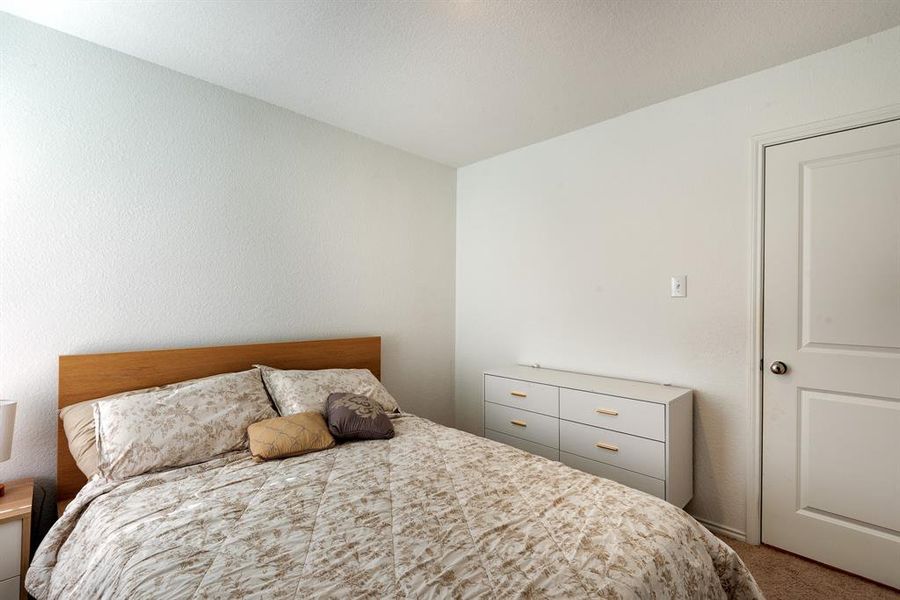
<point>432,513</point>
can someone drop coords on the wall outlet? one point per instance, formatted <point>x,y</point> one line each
<point>679,286</point>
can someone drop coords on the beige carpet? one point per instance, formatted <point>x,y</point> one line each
<point>784,576</point>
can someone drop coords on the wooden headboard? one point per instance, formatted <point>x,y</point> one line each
<point>88,376</point>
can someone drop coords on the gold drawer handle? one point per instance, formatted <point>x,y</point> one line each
<point>518,423</point>
<point>518,394</point>
<point>607,446</point>
<point>607,411</point>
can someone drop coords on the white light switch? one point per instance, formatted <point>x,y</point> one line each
<point>679,286</point>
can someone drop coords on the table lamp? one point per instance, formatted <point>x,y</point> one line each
<point>7,421</point>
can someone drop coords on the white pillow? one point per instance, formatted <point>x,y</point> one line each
<point>306,391</point>
<point>179,424</point>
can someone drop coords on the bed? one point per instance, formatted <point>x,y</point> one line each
<point>431,513</point>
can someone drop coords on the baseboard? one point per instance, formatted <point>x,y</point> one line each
<point>723,530</point>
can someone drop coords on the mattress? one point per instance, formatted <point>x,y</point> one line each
<point>432,513</point>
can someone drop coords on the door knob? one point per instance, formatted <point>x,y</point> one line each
<point>778,367</point>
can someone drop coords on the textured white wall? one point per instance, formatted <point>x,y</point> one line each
<point>565,248</point>
<point>145,209</point>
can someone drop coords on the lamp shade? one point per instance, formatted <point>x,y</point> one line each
<point>7,421</point>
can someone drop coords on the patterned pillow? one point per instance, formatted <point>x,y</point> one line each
<point>289,436</point>
<point>179,424</point>
<point>356,417</point>
<point>305,391</point>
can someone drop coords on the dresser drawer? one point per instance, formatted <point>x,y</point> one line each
<point>644,483</point>
<point>10,549</point>
<point>645,419</point>
<point>540,429</point>
<point>527,446</point>
<point>622,450</point>
<point>9,588</point>
<point>535,397</point>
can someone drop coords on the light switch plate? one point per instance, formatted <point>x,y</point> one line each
<point>679,286</point>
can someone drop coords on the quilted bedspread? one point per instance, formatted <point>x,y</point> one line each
<point>432,513</point>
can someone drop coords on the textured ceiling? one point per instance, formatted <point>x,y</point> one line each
<point>461,81</point>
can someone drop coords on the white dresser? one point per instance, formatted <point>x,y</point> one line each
<point>639,434</point>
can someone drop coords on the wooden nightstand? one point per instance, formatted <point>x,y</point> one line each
<point>15,538</point>
<point>61,506</point>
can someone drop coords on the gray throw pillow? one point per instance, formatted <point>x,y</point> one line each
<point>356,417</point>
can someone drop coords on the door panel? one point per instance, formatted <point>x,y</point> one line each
<point>851,250</point>
<point>831,423</point>
<point>847,443</point>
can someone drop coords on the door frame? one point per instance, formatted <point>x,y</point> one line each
<point>758,145</point>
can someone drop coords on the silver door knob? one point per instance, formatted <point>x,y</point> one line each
<point>778,367</point>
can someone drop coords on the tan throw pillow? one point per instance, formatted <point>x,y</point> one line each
<point>78,423</point>
<point>289,436</point>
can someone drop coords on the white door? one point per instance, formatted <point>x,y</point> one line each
<point>831,422</point>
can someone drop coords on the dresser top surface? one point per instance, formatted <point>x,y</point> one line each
<point>625,388</point>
